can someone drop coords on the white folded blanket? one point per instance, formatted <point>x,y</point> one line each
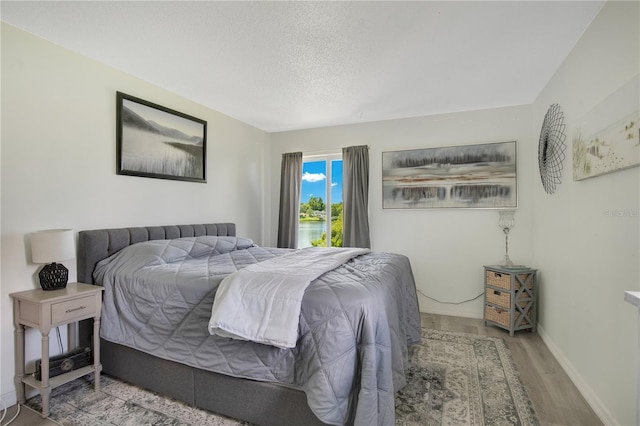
<point>262,302</point>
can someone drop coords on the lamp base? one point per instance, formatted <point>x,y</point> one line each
<point>508,264</point>
<point>514,266</point>
<point>53,276</point>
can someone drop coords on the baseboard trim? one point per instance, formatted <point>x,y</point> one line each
<point>10,398</point>
<point>592,398</point>
<point>450,313</point>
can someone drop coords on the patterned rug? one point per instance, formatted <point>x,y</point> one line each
<point>454,379</point>
<point>462,379</point>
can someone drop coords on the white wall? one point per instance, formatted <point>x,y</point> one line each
<point>584,239</point>
<point>586,235</point>
<point>58,170</point>
<point>58,166</point>
<point>447,247</point>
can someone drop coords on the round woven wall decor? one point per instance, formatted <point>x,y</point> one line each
<point>551,148</point>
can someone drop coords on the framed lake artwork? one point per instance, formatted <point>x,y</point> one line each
<point>608,137</point>
<point>467,176</point>
<point>158,142</point>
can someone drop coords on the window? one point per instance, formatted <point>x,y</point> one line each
<point>321,201</point>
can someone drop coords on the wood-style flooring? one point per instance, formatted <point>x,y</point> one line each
<point>27,417</point>
<point>555,398</point>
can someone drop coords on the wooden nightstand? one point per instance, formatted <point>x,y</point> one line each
<point>510,298</point>
<point>47,309</point>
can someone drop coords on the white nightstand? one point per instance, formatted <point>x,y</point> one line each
<point>47,309</point>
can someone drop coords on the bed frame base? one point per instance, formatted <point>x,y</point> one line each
<point>261,403</point>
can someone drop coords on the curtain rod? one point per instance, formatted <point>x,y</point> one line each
<point>325,152</point>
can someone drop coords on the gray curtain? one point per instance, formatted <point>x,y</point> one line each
<point>290,184</point>
<point>355,197</point>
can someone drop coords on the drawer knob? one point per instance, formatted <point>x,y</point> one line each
<point>497,293</point>
<point>68,311</point>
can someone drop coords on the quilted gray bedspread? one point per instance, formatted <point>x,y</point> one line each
<point>356,322</point>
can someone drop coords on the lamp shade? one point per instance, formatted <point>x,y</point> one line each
<point>507,219</point>
<point>52,245</point>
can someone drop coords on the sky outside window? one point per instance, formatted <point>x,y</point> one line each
<point>314,180</point>
<point>336,184</point>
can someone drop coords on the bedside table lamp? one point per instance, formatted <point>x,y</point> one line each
<point>49,247</point>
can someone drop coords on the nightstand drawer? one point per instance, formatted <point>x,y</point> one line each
<point>503,316</point>
<point>503,280</point>
<point>498,298</point>
<point>71,310</point>
<point>498,279</point>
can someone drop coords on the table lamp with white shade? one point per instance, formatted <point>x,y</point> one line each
<point>49,247</point>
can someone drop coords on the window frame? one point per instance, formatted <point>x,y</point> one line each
<point>327,157</point>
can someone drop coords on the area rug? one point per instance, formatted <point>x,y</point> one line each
<point>463,379</point>
<point>454,379</point>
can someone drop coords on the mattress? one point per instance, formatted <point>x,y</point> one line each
<point>355,326</point>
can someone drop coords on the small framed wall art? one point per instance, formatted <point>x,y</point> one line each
<point>158,142</point>
<point>468,176</point>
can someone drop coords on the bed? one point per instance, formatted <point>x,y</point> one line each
<point>357,322</point>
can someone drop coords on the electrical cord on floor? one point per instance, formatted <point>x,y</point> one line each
<point>59,340</point>
<point>18,406</point>
<point>4,409</point>
<point>450,303</point>
<point>4,413</point>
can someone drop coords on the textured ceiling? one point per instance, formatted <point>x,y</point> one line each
<point>293,65</point>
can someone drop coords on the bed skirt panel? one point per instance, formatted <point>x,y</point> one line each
<point>158,375</point>
<point>260,403</point>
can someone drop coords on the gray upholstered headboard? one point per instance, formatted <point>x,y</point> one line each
<point>98,244</point>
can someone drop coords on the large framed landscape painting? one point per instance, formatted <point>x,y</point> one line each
<point>467,176</point>
<point>157,142</point>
